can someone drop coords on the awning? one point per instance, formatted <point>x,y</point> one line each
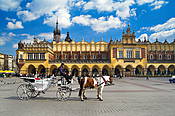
<point>6,71</point>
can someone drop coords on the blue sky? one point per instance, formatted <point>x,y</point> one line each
<point>84,19</point>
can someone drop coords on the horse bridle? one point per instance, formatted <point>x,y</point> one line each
<point>104,81</point>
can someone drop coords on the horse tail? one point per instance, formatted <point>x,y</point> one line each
<point>81,82</point>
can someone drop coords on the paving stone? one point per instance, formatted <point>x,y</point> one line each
<point>127,97</point>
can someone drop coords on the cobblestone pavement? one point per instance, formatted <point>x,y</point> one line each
<point>127,97</point>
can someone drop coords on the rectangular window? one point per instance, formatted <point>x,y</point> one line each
<point>20,57</point>
<point>104,56</point>
<point>42,55</point>
<point>120,54</point>
<point>36,55</point>
<point>114,52</point>
<point>137,55</point>
<point>30,56</point>
<point>129,53</point>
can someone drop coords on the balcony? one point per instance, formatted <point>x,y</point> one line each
<point>79,61</point>
<point>161,61</point>
<point>35,59</point>
<point>130,58</point>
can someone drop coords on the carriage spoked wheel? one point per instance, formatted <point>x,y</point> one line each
<point>24,91</point>
<point>34,93</point>
<point>63,93</point>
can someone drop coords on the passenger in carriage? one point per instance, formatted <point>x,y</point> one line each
<point>65,73</point>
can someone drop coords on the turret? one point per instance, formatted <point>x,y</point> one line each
<point>20,45</point>
<point>68,39</point>
<point>128,29</point>
<point>128,37</point>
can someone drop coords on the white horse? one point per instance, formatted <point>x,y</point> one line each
<point>89,82</point>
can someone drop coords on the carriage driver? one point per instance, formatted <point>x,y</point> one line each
<point>65,73</point>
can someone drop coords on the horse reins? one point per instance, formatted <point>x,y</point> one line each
<point>104,81</point>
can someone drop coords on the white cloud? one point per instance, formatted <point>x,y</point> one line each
<point>7,5</point>
<point>142,37</point>
<point>101,5</point>
<point>162,35</point>
<point>15,25</point>
<point>4,38</point>
<point>162,31</point>
<point>122,8</point>
<point>101,24</point>
<point>158,4</point>
<point>11,34</point>
<point>47,36</point>
<point>170,24</point>
<point>28,5</point>
<point>141,2</point>
<point>41,7</point>
<point>9,19</point>
<point>2,41</point>
<point>63,16</point>
<point>80,3</point>
<point>15,46</point>
<point>133,12</point>
<point>49,9</point>
<point>27,15</point>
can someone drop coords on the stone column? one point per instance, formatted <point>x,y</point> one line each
<point>145,71</point>
<point>47,71</point>
<point>112,71</point>
<point>124,72</point>
<point>90,72</point>
<point>133,72</point>
<point>79,72</point>
<point>156,71</point>
<point>100,71</point>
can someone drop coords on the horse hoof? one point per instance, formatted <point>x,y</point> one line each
<point>82,100</point>
<point>85,98</point>
<point>100,99</point>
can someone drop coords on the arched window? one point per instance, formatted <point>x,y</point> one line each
<point>75,56</point>
<point>94,57</point>
<point>160,56</point>
<point>169,56</point>
<point>151,56</point>
<point>84,56</point>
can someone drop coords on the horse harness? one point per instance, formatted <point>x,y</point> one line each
<point>104,81</point>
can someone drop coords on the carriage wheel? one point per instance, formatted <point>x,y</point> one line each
<point>63,93</point>
<point>24,91</point>
<point>34,94</point>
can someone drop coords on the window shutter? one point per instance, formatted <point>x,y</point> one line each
<point>143,52</point>
<point>114,52</point>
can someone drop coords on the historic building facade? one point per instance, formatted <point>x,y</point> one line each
<point>7,62</point>
<point>127,57</point>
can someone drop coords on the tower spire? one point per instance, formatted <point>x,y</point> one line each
<point>57,23</point>
<point>128,29</point>
<point>56,33</point>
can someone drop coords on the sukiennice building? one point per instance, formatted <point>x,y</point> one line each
<point>127,57</point>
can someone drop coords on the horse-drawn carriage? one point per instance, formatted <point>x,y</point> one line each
<point>33,87</point>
